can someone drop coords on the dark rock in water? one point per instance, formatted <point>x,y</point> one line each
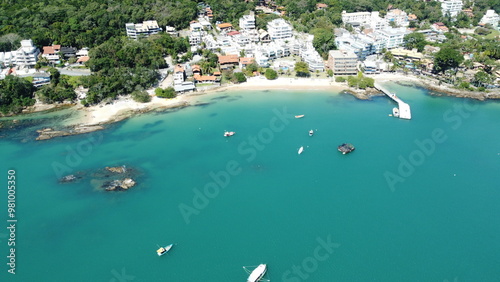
<point>119,185</point>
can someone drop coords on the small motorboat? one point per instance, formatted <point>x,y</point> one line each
<point>229,133</point>
<point>257,273</point>
<point>311,132</point>
<point>301,149</point>
<point>395,112</point>
<point>163,250</point>
<point>299,116</point>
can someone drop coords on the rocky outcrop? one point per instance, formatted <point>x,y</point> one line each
<point>119,185</point>
<point>117,169</point>
<point>49,133</point>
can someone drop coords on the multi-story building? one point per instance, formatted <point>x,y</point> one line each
<point>491,17</point>
<point>400,18</point>
<point>343,62</point>
<point>392,37</point>
<point>247,22</point>
<point>279,29</point>
<point>51,53</point>
<point>179,74</point>
<point>144,29</point>
<point>24,57</point>
<point>451,7</point>
<point>357,18</point>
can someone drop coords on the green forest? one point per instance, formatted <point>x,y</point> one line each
<point>121,66</point>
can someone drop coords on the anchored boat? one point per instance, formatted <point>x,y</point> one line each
<point>299,116</point>
<point>163,250</point>
<point>301,149</point>
<point>229,133</point>
<point>311,132</point>
<point>257,273</point>
<point>346,148</point>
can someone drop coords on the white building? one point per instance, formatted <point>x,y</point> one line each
<point>451,7</point>
<point>179,75</point>
<point>247,22</point>
<point>400,18</point>
<point>367,19</point>
<point>343,62</point>
<point>24,57</point>
<point>491,17</point>
<point>392,37</point>
<point>195,38</point>
<point>279,29</point>
<point>144,29</point>
<point>357,18</point>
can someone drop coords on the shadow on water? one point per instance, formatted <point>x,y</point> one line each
<point>213,115</point>
<point>152,124</point>
<point>203,104</point>
<point>220,97</point>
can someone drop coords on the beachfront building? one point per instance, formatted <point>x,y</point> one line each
<point>451,7</point>
<point>179,74</point>
<point>342,62</point>
<point>279,29</point>
<point>397,16</point>
<point>228,61</point>
<point>491,18</point>
<point>247,22</point>
<point>392,37</point>
<point>24,57</point>
<point>143,29</point>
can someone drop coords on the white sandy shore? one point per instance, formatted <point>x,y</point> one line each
<point>124,107</point>
<point>261,83</point>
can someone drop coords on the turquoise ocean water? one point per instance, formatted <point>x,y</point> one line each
<point>418,200</point>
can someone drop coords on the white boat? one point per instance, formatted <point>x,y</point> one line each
<point>257,273</point>
<point>229,133</point>
<point>299,116</point>
<point>163,250</point>
<point>311,132</point>
<point>395,112</point>
<point>301,149</point>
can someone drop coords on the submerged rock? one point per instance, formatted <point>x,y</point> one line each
<point>68,178</point>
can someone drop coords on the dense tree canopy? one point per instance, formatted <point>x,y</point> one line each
<point>447,58</point>
<point>15,94</point>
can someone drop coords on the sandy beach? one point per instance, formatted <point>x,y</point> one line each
<point>92,118</point>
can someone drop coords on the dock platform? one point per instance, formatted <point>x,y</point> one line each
<point>404,108</point>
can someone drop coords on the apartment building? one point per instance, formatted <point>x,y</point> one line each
<point>397,16</point>
<point>342,62</point>
<point>247,22</point>
<point>451,7</point>
<point>491,17</point>
<point>279,29</point>
<point>143,29</point>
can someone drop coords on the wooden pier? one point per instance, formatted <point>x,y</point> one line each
<point>404,109</point>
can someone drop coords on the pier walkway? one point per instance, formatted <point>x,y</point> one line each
<point>404,109</point>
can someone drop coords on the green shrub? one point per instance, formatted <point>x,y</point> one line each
<point>141,96</point>
<point>165,93</point>
<point>240,77</point>
<point>339,79</point>
<point>271,74</point>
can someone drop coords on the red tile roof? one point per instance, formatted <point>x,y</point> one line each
<point>228,59</point>
<point>83,59</point>
<point>225,25</point>
<point>246,61</point>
